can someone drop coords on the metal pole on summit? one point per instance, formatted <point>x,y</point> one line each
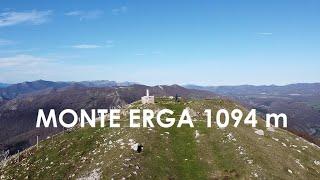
<point>37,142</point>
<point>18,155</point>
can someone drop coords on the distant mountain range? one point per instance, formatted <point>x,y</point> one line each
<point>291,89</point>
<point>3,85</point>
<point>12,91</point>
<point>105,83</point>
<point>301,103</point>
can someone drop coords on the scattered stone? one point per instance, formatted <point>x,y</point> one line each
<point>316,162</point>
<point>119,140</point>
<point>298,162</point>
<point>94,175</point>
<point>271,129</point>
<point>137,147</point>
<point>255,174</point>
<point>289,170</point>
<point>259,132</point>
<point>231,137</point>
<point>197,134</point>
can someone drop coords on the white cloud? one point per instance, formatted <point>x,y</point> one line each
<point>73,13</point>
<point>110,44</point>
<point>24,67</point>
<point>121,10</point>
<point>85,15</point>
<point>16,51</point>
<point>86,46</point>
<point>265,33</point>
<point>140,54</point>
<point>10,18</point>
<point>4,42</point>
<point>21,60</point>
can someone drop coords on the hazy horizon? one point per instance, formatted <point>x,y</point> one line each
<point>181,84</point>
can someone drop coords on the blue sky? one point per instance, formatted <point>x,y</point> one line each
<point>222,42</point>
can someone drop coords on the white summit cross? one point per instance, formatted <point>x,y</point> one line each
<point>147,99</point>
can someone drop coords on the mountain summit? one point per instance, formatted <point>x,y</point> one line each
<point>170,153</point>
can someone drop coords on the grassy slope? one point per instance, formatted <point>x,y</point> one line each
<point>173,153</point>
